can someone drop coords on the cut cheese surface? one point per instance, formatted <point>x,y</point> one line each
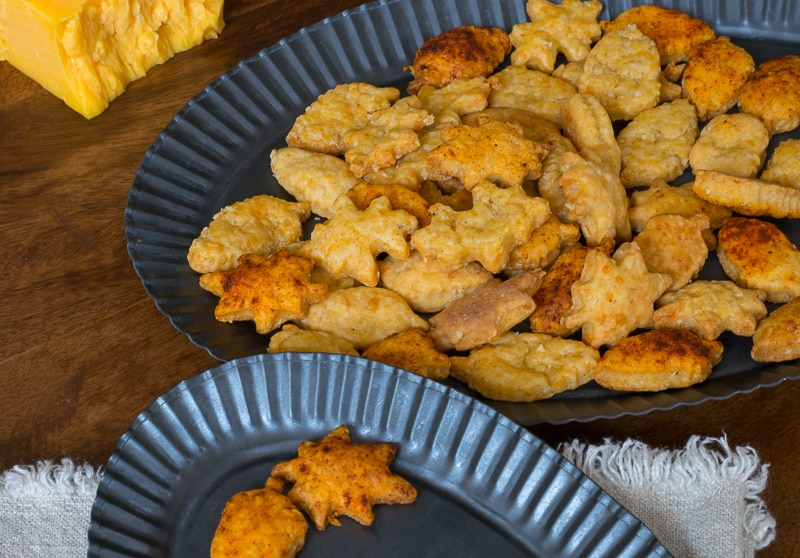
<point>87,51</point>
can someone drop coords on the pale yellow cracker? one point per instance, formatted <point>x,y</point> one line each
<point>524,367</point>
<point>657,360</point>
<point>427,284</point>
<point>362,315</point>
<point>500,220</point>
<point>587,125</point>
<point>531,90</point>
<point>734,144</point>
<point>339,110</point>
<point>390,134</point>
<point>315,178</point>
<point>594,199</point>
<point>257,225</point>
<point>663,199</point>
<point>777,337</point>
<point>748,196</point>
<point>656,144</point>
<point>410,171</point>
<point>493,150</point>
<point>614,296</point>
<point>783,167</point>
<point>709,308</point>
<point>347,244</point>
<point>568,28</point>
<point>461,96</point>
<point>293,339</point>
<point>623,71</point>
<point>674,245</point>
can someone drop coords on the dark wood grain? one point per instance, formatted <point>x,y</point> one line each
<point>84,350</point>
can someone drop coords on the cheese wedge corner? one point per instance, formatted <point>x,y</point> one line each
<point>86,52</point>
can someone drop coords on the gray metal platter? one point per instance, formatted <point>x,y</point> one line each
<point>216,151</point>
<point>486,486</point>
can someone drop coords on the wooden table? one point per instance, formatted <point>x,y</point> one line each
<point>84,349</point>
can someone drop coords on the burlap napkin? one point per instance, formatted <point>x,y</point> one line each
<point>702,501</point>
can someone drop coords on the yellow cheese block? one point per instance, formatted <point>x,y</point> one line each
<point>87,51</point>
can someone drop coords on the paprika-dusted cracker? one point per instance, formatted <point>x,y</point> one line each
<point>412,350</point>
<point>269,291</point>
<point>336,477</point>
<point>657,360</point>
<point>260,522</point>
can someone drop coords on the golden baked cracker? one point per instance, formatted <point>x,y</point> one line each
<point>756,254</point>
<point>715,72</point>
<point>674,245</point>
<point>569,72</point>
<point>524,367</point>
<point>295,340</point>
<point>261,522</point>
<point>657,360</point>
<point>485,314</point>
<point>428,285</point>
<point>734,144</point>
<point>614,296</point>
<point>462,96</point>
<point>466,51</point>
<point>495,151</point>
<point>362,315</point>
<point>531,90</point>
<point>260,224</point>
<point>390,134</point>
<point>554,296</point>
<point>708,308</point>
<point>663,199</point>
<point>400,197</point>
<point>534,127</point>
<point>412,350</point>
<point>545,244</point>
<point>315,178</point>
<point>656,144</point>
<point>336,477</point>
<point>783,167</point>
<point>594,199</point>
<point>748,196</point>
<point>409,171</point>
<point>624,89</point>
<point>772,93</point>
<point>500,220</point>
<point>547,185</point>
<point>459,199</point>
<point>568,28</point>
<point>346,107</point>
<point>674,32</point>
<point>587,125</point>
<point>269,291</point>
<point>777,337</point>
<point>347,244</point>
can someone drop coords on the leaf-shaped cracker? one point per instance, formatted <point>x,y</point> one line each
<point>335,477</point>
<point>270,291</point>
<point>347,244</point>
<point>500,220</point>
<point>614,296</point>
